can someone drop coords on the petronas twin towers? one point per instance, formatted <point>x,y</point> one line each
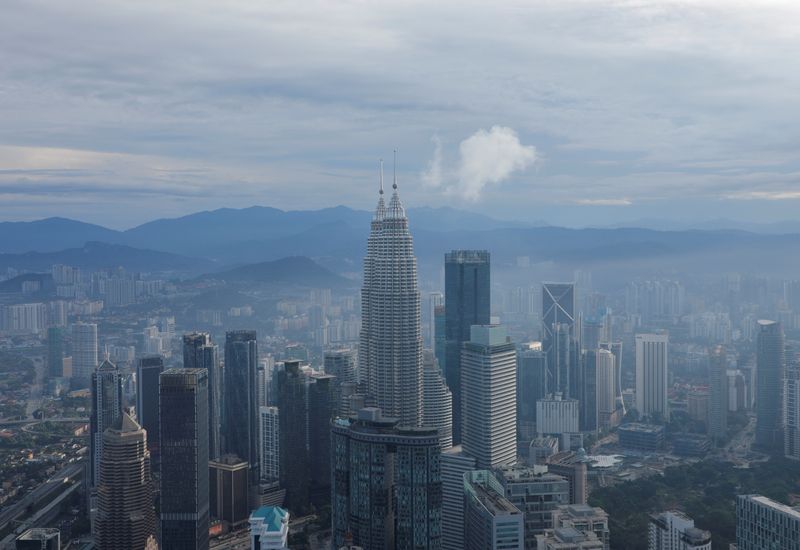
<point>390,346</point>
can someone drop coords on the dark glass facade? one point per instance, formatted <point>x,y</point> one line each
<point>148,369</point>
<point>55,352</point>
<point>558,331</point>
<point>240,401</point>
<point>291,399</point>
<point>106,411</point>
<point>184,459</point>
<point>467,302</point>
<point>531,386</point>
<point>200,353</point>
<point>770,372</point>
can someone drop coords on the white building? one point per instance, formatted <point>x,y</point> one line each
<point>489,396</point>
<point>84,352</point>
<point>437,402</point>
<point>652,365</point>
<point>454,464</point>
<point>763,523</point>
<point>791,414</point>
<point>269,446</point>
<point>556,415</point>
<point>491,521</point>
<point>23,317</point>
<point>269,529</point>
<point>606,387</point>
<point>674,530</point>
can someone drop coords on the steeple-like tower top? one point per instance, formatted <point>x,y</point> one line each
<point>396,210</point>
<point>380,210</point>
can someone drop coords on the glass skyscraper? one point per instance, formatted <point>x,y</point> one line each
<point>106,410</point>
<point>148,369</point>
<point>240,401</point>
<point>200,353</point>
<point>770,374</point>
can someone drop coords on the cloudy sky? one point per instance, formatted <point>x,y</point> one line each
<point>573,112</point>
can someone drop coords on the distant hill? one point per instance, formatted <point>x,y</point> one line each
<point>293,270</point>
<point>51,234</point>
<point>96,255</point>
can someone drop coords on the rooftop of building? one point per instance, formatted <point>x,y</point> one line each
<point>582,510</point>
<point>793,512</point>
<point>272,516</point>
<point>495,503</point>
<point>536,473</point>
<point>39,533</point>
<point>641,428</point>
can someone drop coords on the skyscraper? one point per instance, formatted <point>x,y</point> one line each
<point>439,341</point>
<point>387,482</point>
<point>652,365</point>
<point>674,530</point>
<point>488,385</point>
<point>490,519</point>
<point>587,390</point>
<point>531,386</point>
<point>341,363</point>
<point>762,523</point>
<point>558,331</point>
<point>294,466</point>
<point>106,410</point>
<point>390,344</point>
<point>148,369</point>
<point>320,410</point>
<point>270,443</point>
<point>467,303</point>
<point>791,414</point>
<point>437,400</point>
<point>718,398</point>
<point>126,517</point>
<point>454,464</point>
<point>200,353</point>
<point>606,389</point>
<point>240,401</point>
<point>770,372</point>
<point>55,352</point>
<point>84,353</point>
<point>184,459</point>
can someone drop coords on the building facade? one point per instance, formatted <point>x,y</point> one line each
<point>84,353</point>
<point>652,364</point>
<point>148,370</point>
<point>770,373</point>
<point>199,352</point>
<point>106,411</point>
<point>491,521</point>
<point>674,530</point>
<point>718,394</point>
<point>437,402</point>
<point>269,430</point>
<point>240,401</point>
<point>762,523</point>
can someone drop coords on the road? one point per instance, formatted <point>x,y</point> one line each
<point>43,491</point>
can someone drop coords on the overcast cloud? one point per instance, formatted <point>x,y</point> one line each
<point>573,111</point>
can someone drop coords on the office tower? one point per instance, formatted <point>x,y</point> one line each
<point>390,344</point>
<point>652,364</point>
<point>269,528</point>
<point>616,349</point>
<point>320,411</point>
<point>184,459</point>
<point>466,303</point>
<point>587,391</point>
<point>294,464</point>
<point>763,523</point>
<point>491,520</point>
<point>556,415</point>
<point>454,463</point>
<point>558,330</point>
<point>39,539</point>
<point>55,352</point>
<point>531,386</point>
<point>537,493</point>
<point>606,389</point>
<point>791,414</point>
<point>84,353</point>
<point>148,370</point>
<point>240,399</point>
<point>387,485</point>
<point>439,341</point>
<point>437,410</point>
<point>200,353</point>
<point>568,538</point>
<point>718,394</point>
<point>489,394</point>
<point>229,490</point>
<point>341,363</point>
<point>571,467</point>
<point>106,410</point>
<point>674,530</point>
<point>585,519</point>
<point>435,300</point>
<point>270,445</point>
<point>126,516</point>
<point>770,372</point>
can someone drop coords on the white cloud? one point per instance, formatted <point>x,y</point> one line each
<point>432,177</point>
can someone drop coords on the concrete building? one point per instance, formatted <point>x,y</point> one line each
<point>641,437</point>
<point>606,389</point>
<point>586,519</point>
<point>84,353</point>
<point>454,463</point>
<point>791,414</point>
<point>341,363</point>
<point>488,393</point>
<point>556,415</point>
<point>55,352</point>
<point>568,538</point>
<point>652,364</point>
<point>770,374</point>
<point>437,403</point>
<point>492,522</point>
<point>106,411</point>
<point>229,490</point>
<point>570,466</point>
<point>269,443</point>
<point>387,485</point>
<point>763,523</point>
<point>718,395</point>
<point>269,528</point>
<point>674,530</point>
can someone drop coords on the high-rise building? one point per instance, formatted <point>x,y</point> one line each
<point>184,459</point>
<point>84,353</point>
<point>491,520</point>
<point>240,401</point>
<point>571,467</point>
<point>320,411</point>
<point>537,493</point>
<point>200,353</point>
<point>55,352</point>
<point>770,373</point>
<point>556,415</point>
<point>390,344</point>
<point>294,461</point>
<point>148,370</point>
<point>531,386</point>
<point>435,300</point>
<point>269,528</point>
<point>606,389</point>
<point>674,530</point>
<point>341,363</point>
<point>616,349</point>
<point>437,411</point>
<point>718,394</point>
<point>587,391</point>
<point>439,341</point>
<point>229,490</point>
<point>568,538</point>
<point>762,523</point>
<point>652,366</point>
<point>489,394</point>
<point>791,414</point>
<point>106,411</point>
<point>39,538</point>
<point>126,516</point>
<point>270,445</point>
<point>467,303</point>
<point>558,331</point>
<point>387,485</point>
<point>586,519</point>
<point>454,463</point>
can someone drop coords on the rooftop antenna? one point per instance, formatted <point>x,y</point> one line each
<point>381,191</point>
<point>394,169</point>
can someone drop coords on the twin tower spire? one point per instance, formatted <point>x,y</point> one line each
<point>395,210</point>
